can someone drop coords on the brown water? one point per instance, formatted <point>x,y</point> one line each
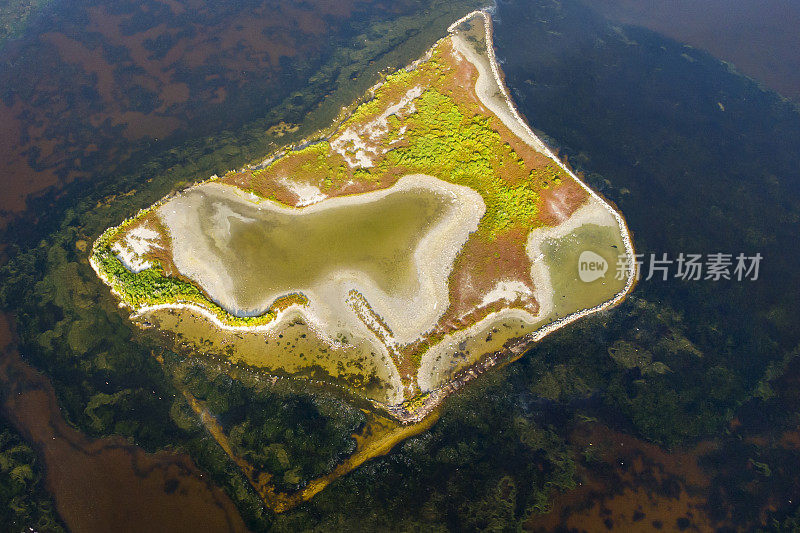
<point>107,484</point>
<point>760,37</point>
<point>70,106</point>
<point>631,485</point>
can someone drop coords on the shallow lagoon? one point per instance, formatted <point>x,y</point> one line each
<point>570,293</point>
<point>266,251</point>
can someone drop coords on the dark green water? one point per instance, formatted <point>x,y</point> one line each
<point>643,121</point>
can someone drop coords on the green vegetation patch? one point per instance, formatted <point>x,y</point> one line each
<point>457,142</point>
<point>152,286</point>
<point>443,133</point>
<point>450,142</point>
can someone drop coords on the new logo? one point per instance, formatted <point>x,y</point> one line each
<point>591,266</point>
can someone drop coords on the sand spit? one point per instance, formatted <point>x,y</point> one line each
<point>494,95</point>
<point>511,118</point>
<point>519,126</point>
<point>449,355</point>
<point>491,94</point>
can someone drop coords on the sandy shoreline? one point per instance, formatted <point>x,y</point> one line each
<point>433,257</point>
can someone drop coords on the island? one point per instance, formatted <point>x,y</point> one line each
<point>430,236</point>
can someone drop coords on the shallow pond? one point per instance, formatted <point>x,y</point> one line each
<point>258,252</point>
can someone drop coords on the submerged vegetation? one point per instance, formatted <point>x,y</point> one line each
<point>16,16</point>
<point>24,501</point>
